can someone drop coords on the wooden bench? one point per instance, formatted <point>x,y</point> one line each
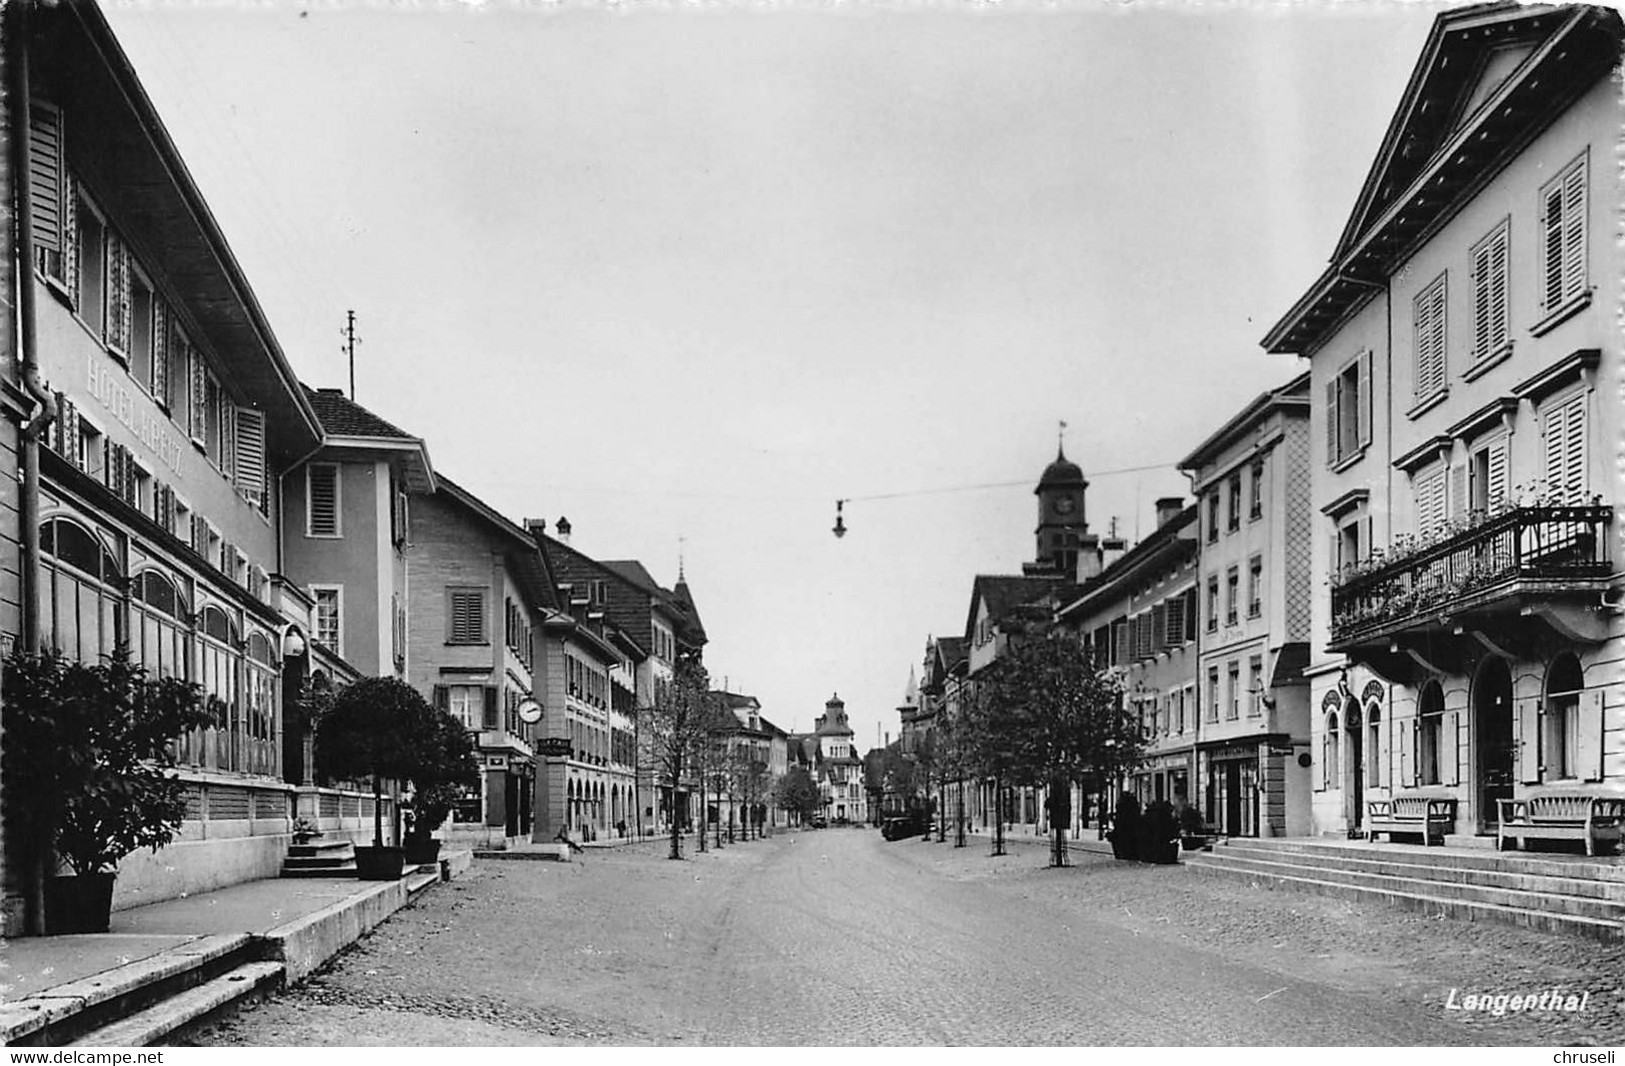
<point>1430,816</point>
<point>1562,816</point>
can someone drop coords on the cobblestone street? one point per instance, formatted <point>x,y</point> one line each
<point>838,937</point>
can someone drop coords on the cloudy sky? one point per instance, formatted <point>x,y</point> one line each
<point>689,273</point>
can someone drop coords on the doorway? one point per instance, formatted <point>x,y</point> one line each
<point>1357,770</point>
<point>1497,750</point>
<point>1232,800</point>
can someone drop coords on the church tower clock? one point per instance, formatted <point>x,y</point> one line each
<point>1063,529</point>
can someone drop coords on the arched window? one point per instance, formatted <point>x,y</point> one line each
<point>1332,762</point>
<point>260,747</point>
<point>1429,732</point>
<point>160,629</point>
<point>81,608</point>
<point>219,665</point>
<point>1564,683</point>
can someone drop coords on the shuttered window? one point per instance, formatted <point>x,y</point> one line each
<point>1490,294</point>
<point>1429,490</point>
<point>1348,410</point>
<point>329,602</point>
<point>322,500</point>
<point>1563,232</point>
<point>48,182</point>
<point>1429,313</point>
<point>250,456</point>
<point>465,616</point>
<point>1487,476</point>
<point>1173,630</point>
<point>1563,428</point>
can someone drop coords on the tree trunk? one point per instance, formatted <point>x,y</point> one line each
<point>377,812</point>
<point>998,816</point>
<point>676,823</point>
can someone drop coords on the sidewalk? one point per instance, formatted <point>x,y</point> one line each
<point>306,920</point>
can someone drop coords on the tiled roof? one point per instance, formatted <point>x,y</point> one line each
<point>343,417</point>
<point>1004,595</point>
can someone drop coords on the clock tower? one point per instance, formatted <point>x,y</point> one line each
<point>1063,530</point>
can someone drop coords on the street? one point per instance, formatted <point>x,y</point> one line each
<point>837,937</point>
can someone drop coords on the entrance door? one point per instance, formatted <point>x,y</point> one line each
<point>1492,709</point>
<point>1232,800</point>
<point>1357,757</point>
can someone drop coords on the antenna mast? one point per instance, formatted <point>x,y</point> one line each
<point>349,348</point>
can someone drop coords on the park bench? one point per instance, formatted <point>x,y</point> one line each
<point>1562,816</point>
<point>1429,816</point>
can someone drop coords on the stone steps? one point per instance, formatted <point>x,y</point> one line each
<point>148,1026</point>
<point>320,858</point>
<point>1572,898</point>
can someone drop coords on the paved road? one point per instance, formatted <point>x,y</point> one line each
<point>837,937</point>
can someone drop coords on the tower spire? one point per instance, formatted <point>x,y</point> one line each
<point>1060,441</point>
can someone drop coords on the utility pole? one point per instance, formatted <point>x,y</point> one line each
<point>349,348</point>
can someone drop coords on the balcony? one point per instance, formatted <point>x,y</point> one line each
<point>1522,561</point>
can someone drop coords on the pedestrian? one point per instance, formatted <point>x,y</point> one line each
<point>564,838</point>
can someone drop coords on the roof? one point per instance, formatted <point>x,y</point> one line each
<point>1160,548</point>
<point>1489,80</point>
<point>1061,472</point>
<point>530,565</point>
<point>1294,395</point>
<point>346,422</point>
<point>1004,594</point>
<point>679,603</point>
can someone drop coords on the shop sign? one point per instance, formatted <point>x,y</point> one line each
<point>554,747</point>
<point>496,762</point>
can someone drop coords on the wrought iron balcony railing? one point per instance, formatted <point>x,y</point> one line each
<point>1524,549</point>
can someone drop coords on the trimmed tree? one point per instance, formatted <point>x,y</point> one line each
<point>1061,720</point>
<point>797,793</point>
<point>377,728</point>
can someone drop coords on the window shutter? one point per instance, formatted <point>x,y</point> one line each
<point>1574,231</point>
<point>1496,490</point>
<point>251,455</point>
<point>1385,769</point>
<point>1590,739</point>
<point>1368,537</point>
<point>1458,490</point>
<point>1173,629</point>
<point>1449,756</point>
<point>1331,422</point>
<point>322,483</point>
<point>1490,295</point>
<point>70,238</point>
<point>47,179</point>
<point>1190,614</point>
<point>1552,223</point>
<point>1529,742</point>
<point>1363,400</point>
<point>491,720</point>
<point>1429,319</point>
<point>442,698</point>
<point>116,330</point>
<point>1574,450</point>
<point>228,435</point>
<point>198,419</point>
<point>1407,752</point>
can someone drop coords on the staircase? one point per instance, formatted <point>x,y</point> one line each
<point>320,858</point>
<point>1551,893</point>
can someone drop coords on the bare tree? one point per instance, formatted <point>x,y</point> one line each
<point>675,731</point>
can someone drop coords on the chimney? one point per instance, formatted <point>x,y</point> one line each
<point>536,526</point>
<point>1168,508</point>
<point>1112,547</point>
<point>563,527</point>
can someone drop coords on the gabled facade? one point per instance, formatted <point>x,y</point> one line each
<point>1464,359</point>
<point>837,767</point>
<point>1251,477</point>
<point>480,591</point>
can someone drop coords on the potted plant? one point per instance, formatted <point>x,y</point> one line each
<point>446,768</point>
<point>304,831</point>
<point>1125,831</point>
<point>1159,829</point>
<point>89,755</point>
<point>375,730</point>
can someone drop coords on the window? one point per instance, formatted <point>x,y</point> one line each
<point>1178,699</point>
<point>1563,431</point>
<point>1429,733</point>
<point>52,194</point>
<point>249,457</point>
<point>329,607</point>
<point>1373,748</point>
<point>1428,488</point>
<point>1563,230</point>
<point>1173,620</point>
<point>1490,335</point>
<point>465,623</point>
<point>1212,604</point>
<point>1232,587</point>
<point>1235,502</point>
<point>1213,517</point>
<point>1233,702</point>
<point>1213,693</point>
<point>1255,686</point>
<point>1255,586</point>
<point>143,308</point>
<point>90,257</point>
<point>1331,760</point>
<point>466,703</point>
<point>80,612</point>
<point>1255,506</point>
<point>322,500</point>
<point>160,634</point>
<point>1487,475</point>
<point>398,631</point>
<point>1564,684</point>
<point>1428,313</point>
<point>1348,411</point>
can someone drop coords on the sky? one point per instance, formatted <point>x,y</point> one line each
<point>688,274</point>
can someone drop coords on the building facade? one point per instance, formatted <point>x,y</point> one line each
<point>1464,360</point>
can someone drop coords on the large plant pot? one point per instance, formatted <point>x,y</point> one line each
<point>78,904</point>
<point>422,852</point>
<point>380,864</point>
